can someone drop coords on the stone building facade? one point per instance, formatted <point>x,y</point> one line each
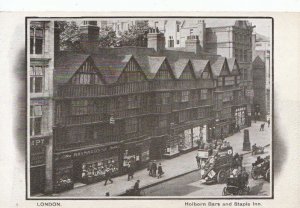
<point>41,108</point>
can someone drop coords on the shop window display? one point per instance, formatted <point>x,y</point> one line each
<point>95,171</point>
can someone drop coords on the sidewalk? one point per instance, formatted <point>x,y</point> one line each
<point>173,168</point>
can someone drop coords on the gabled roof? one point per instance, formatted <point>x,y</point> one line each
<point>217,65</point>
<point>231,63</point>
<point>199,66</point>
<point>111,67</point>
<point>66,64</point>
<point>178,66</point>
<point>150,64</point>
<point>258,62</point>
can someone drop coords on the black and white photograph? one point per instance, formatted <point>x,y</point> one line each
<point>149,107</point>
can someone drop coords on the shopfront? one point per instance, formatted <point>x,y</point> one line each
<point>240,116</point>
<point>200,133</point>
<point>85,166</point>
<point>37,164</point>
<point>171,147</point>
<point>136,153</point>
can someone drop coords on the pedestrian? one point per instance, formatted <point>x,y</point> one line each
<point>154,168</point>
<point>238,128</point>
<point>130,171</point>
<point>107,176</point>
<point>136,188</point>
<point>198,159</point>
<point>150,168</point>
<point>268,123</point>
<point>107,194</point>
<point>262,126</point>
<point>159,171</point>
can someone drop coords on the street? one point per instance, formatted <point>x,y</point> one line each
<point>190,184</point>
<point>181,176</point>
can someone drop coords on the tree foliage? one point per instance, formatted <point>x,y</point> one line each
<point>135,36</point>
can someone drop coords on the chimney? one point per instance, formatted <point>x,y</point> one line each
<point>202,33</point>
<point>89,36</point>
<point>192,44</point>
<point>156,39</point>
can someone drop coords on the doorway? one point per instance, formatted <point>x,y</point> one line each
<point>77,171</point>
<point>37,180</point>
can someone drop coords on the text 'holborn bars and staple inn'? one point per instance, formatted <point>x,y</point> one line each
<point>101,107</point>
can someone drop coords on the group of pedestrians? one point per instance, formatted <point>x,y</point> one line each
<point>155,170</point>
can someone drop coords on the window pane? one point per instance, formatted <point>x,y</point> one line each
<point>31,126</point>
<point>38,84</point>
<point>37,126</point>
<point>39,33</point>
<point>31,45</point>
<point>37,110</point>
<point>31,84</point>
<point>38,46</point>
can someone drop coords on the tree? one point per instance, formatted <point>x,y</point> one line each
<point>136,35</point>
<point>69,35</point>
<point>107,37</point>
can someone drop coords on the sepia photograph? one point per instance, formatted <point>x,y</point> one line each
<point>149,107</point>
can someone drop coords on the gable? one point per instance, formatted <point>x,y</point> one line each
<point>164,72</point>
<point>225,69</point>
<point>87,74</point>
<point>188,72</point>
<point>132,72</point>
<point>207,72</point>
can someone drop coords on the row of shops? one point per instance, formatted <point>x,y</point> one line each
<point>88,165</point>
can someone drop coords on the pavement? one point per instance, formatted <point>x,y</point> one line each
<point>173,168</point>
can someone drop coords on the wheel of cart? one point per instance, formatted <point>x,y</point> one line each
<point>224,193</point>
<point>221,177</point>
<point>254,173</point>
<point>267,175</point>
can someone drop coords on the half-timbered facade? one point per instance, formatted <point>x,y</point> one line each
<point>113,106</point>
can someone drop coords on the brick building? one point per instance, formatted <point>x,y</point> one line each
<point>115,105</point>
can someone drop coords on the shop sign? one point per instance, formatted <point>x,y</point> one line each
<point>86,152</point>
<point>37,158</point>
<point>38,141</point>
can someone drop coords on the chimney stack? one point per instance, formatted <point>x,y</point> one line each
<point>56,37</point>
<point>89,36</point>
<point>192,44</point>
<point>156,39</point>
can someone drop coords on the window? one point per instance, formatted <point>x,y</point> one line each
<point>102,106</point>
<point>238,80</point>
<point>178,42</point>
<point>79,107</point>
<point>35,120</point>
<point>36,40</point>
<point>178,27</point>
<point>163,121</point>
<point>185,96</point>
<point>205,75</point>
<point>227,96</point>
<point>131,125</point>
<point>163,98</point>
<point>183,116</point>
<point>203,94</point>
<point>200,113</point>
<point>171,42</point>
<point>229,81</point>
<point>220,82</point>
<point>36,79</point>
<point>133,101</point>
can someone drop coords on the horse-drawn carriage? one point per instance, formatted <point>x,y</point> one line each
<point>261,167</point>
<point>237,184</point>
<point>217,168</point>
<point>257,150</point>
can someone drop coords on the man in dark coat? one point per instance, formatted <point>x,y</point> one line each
<point>198,159</point>
<point>107,176</point>
<point>159,171</point>
<point>136,188</point>
<point>154,168</point>
<point>130,171</point>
